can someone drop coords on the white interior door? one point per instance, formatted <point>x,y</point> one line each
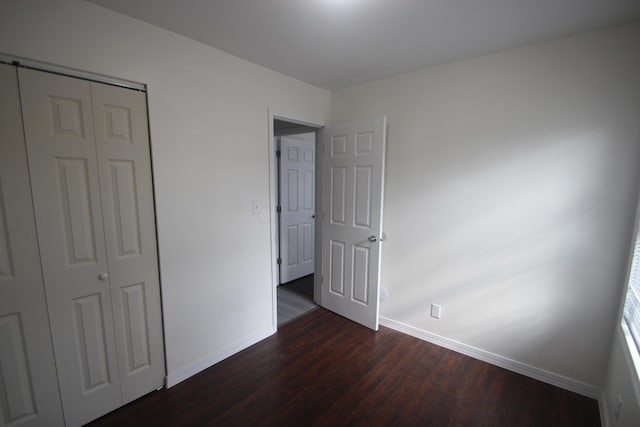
<point>297,204</point>
<point>122,141</point>
<point>64,175</point>
<point>28,385</point>
<point>88,153</point>
<point>352,197</point>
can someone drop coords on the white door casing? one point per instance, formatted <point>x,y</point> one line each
<point>297,202</point>
<point>94,214</point>
<point>352,194</point>
<point>29,394</point>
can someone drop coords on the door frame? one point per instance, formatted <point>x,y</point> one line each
<point>273,205</point>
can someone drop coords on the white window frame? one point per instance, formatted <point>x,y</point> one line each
<point>630,319</point>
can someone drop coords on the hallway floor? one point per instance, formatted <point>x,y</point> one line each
<point>295,299</point>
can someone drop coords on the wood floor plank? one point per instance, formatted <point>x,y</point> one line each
<point>339,376</point>
<point>273,378</point>
<point>293,377</point>
<point>342,409</point>
<point>323,370</point>
<point>377,400</point>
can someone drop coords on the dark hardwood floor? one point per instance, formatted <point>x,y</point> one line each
<point>323,370</point>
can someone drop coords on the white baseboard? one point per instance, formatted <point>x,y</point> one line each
<point>497,360</point>
<point>202,364</point>
<point>604,411</point>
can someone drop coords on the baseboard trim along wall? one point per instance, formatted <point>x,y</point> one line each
<point>202,364</point>
<point>497,360</point>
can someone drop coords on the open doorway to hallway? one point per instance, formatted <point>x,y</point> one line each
<point>295,176</point>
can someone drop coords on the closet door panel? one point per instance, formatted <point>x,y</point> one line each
<point>59,132</point>
<point>122,141</point>
<point>28,384</point>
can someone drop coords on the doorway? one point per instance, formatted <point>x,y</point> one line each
<point>348,224</point>
<point>295,196</point>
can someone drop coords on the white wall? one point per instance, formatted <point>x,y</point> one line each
<point>510,194</point>
<point>208,115</point>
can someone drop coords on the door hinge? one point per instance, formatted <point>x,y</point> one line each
<point>279,261</point>
<point>278,152</point>
<point>279,209</point>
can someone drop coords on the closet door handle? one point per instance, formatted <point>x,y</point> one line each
<point>103,276</point>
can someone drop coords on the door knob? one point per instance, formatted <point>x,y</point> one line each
<point>103,276</point>
<point>372,239</point>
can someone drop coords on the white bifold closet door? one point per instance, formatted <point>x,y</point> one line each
<point>29,394</point>
<point>88,152</point>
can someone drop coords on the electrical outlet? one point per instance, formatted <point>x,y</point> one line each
<point>435,311</point>
<point>618,408</point>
